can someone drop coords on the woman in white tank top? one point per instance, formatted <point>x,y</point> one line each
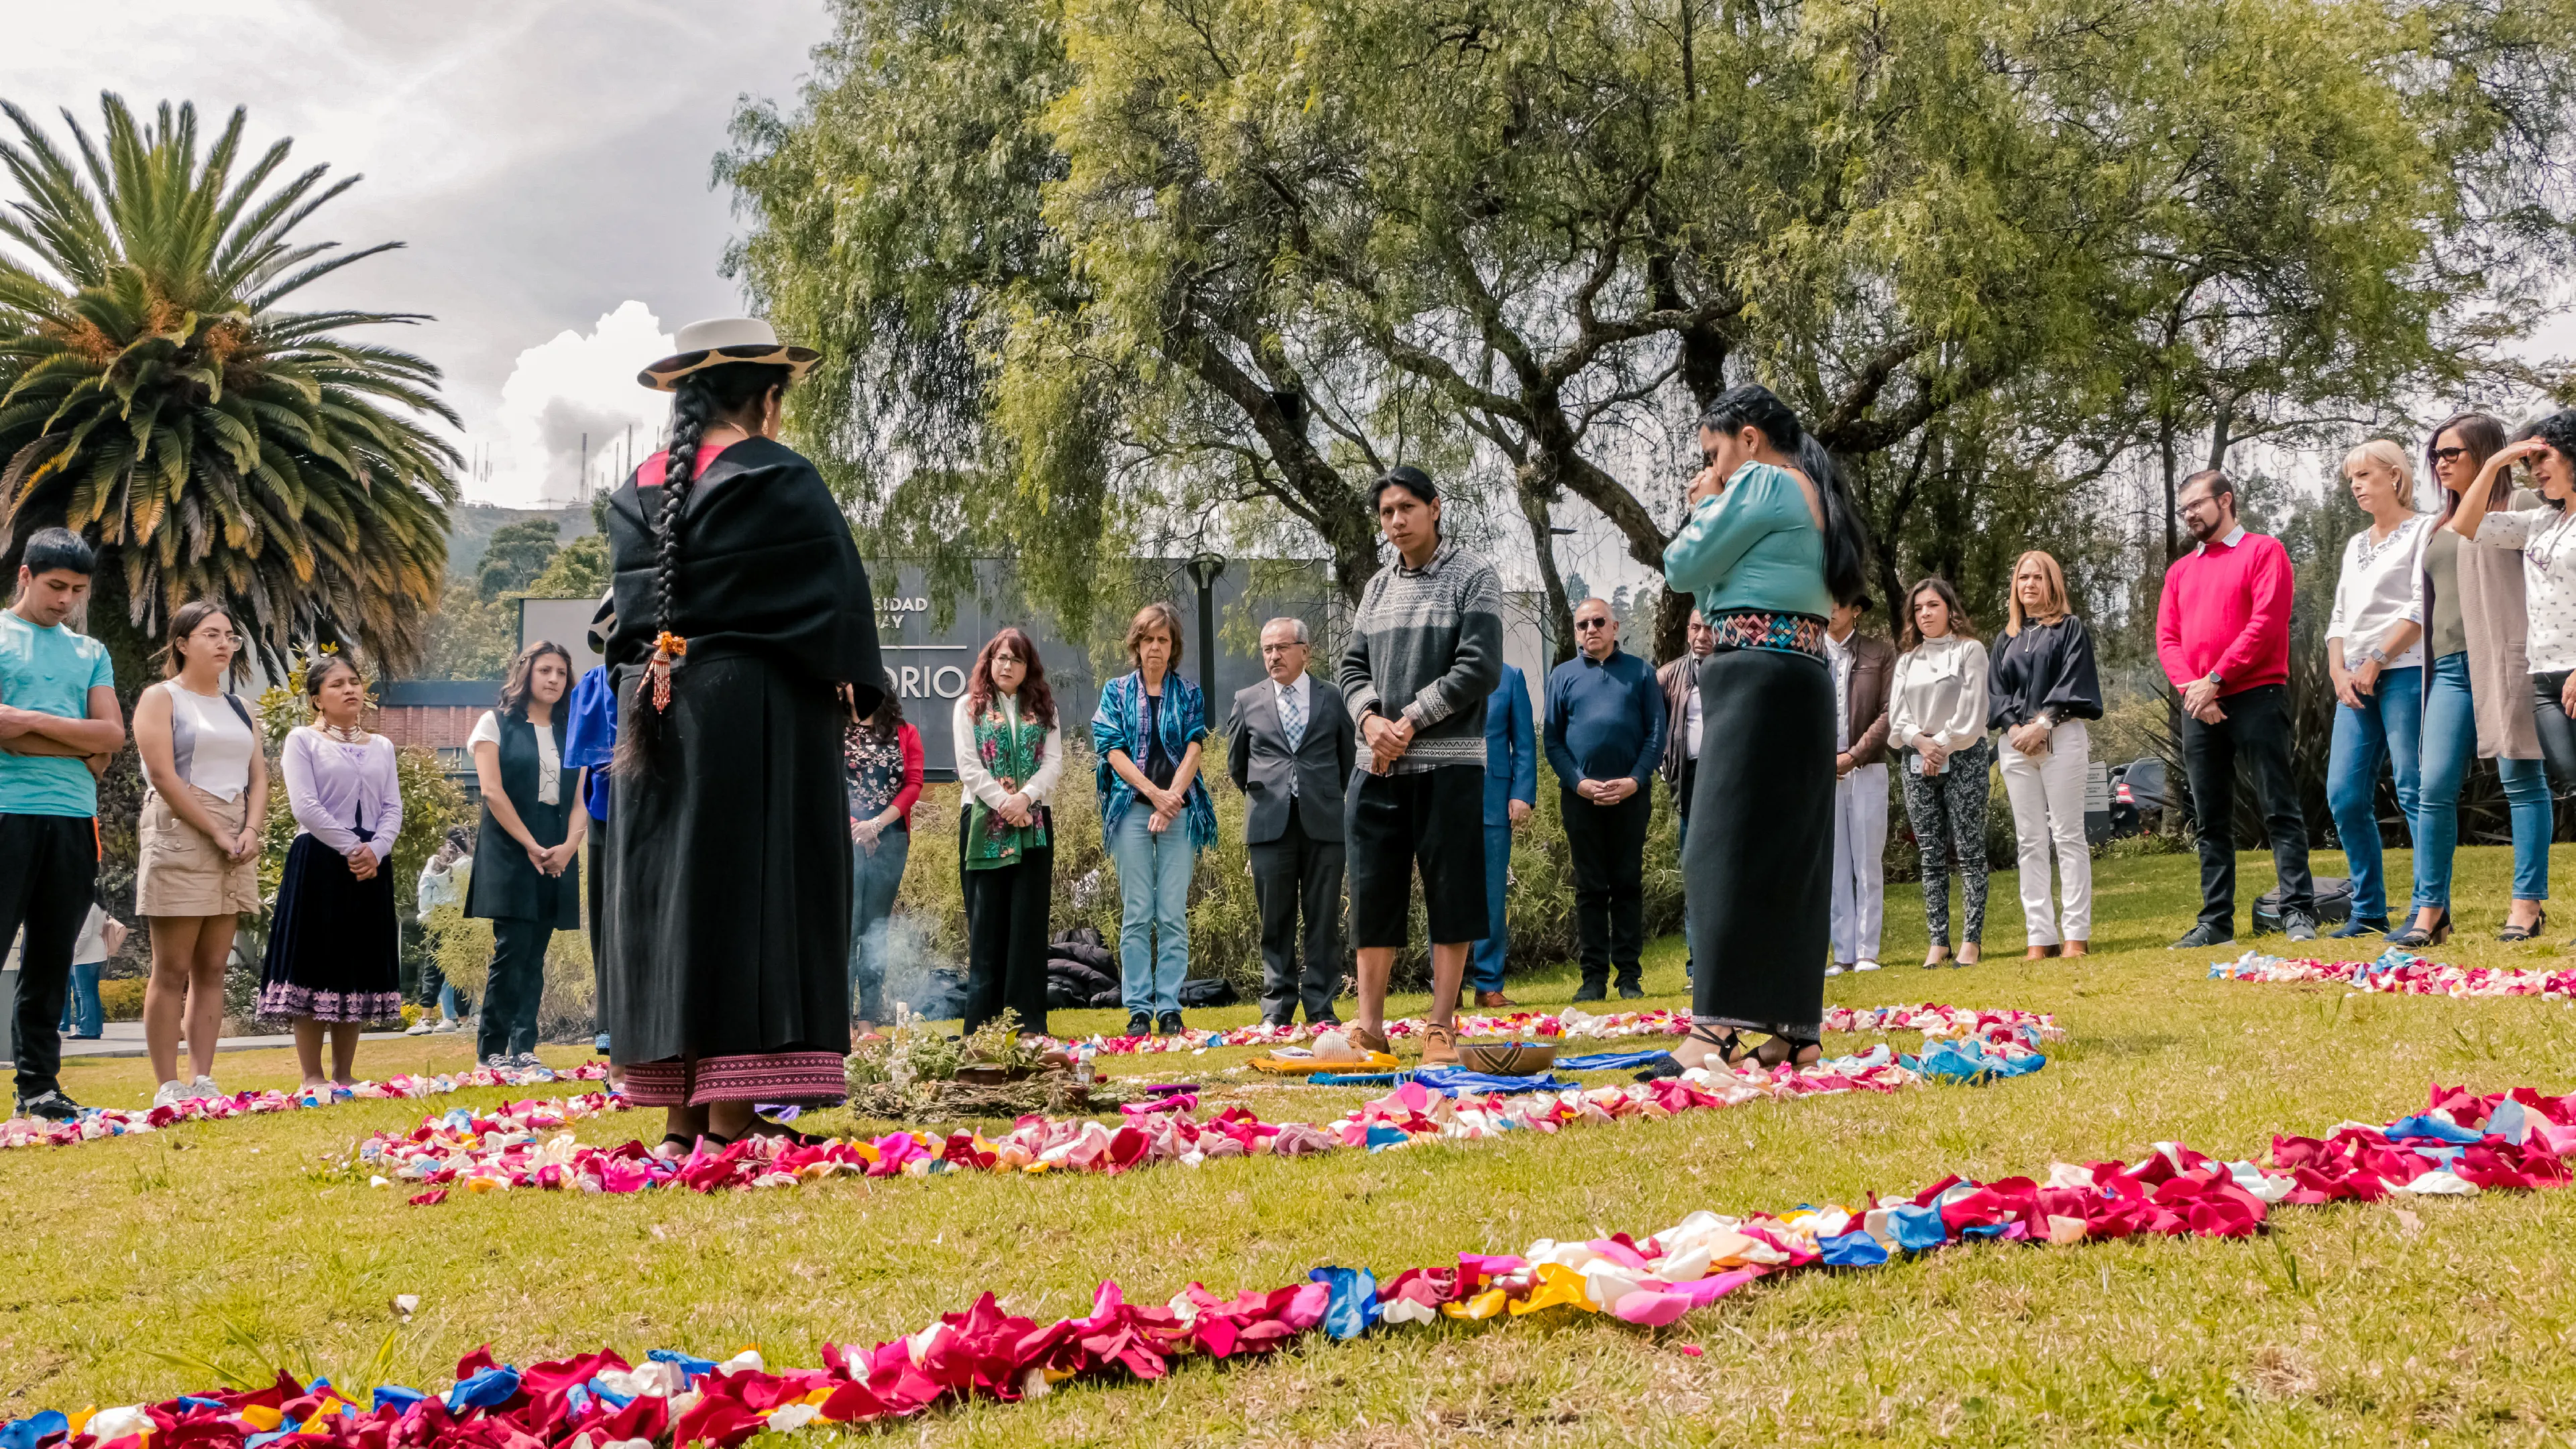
<point>202,825</point>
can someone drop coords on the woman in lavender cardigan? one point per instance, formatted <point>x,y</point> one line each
<point>334,949</point>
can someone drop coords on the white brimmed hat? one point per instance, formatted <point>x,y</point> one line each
<point>720,340</point>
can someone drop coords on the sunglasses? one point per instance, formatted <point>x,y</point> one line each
<point>1582,624</point>
<point>2449,455</point>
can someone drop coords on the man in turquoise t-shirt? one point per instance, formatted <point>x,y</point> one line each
<point>59,723</point>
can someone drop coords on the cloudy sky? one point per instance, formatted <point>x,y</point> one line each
<point>545,160</point>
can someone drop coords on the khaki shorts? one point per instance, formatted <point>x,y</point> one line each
<point>183,873</point>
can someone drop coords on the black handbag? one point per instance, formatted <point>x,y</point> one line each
<point>2334,903</point>
<point>1207,991</point>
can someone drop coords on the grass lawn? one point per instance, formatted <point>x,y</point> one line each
<point>130,1266</point>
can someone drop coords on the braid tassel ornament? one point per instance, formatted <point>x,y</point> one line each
<point>668,650</point>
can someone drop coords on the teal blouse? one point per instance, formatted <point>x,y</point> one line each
<point>1755,546</point>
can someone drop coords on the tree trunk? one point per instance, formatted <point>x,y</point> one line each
<point>1559,620</point>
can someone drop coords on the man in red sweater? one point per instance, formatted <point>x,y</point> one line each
<point>2223,636</point>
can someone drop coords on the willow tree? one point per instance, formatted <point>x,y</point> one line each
<point>158,397</point>
<point>1194,260</point>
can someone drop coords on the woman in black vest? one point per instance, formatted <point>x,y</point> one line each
<point>527,856</point>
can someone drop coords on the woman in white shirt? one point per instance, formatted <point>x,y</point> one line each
<point>2375,656</point>
<point>1010,754</point>
<point>1936,711</point>
<point>527,853</point>
<point>202,825</point>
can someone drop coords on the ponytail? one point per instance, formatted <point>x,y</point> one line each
<point>1846,538</point>
<point>699,400</point>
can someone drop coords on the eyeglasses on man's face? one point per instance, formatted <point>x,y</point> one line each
<point>1583,624</point>
<point>1269,649</point>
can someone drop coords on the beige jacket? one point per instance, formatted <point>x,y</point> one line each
<point>2491,610</point>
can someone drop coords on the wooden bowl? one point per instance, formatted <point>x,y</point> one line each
<point>1507,1058</point>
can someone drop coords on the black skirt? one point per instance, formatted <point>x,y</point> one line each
<point>728,872</point>
<point>1756,870</point>
<point>334,948</point>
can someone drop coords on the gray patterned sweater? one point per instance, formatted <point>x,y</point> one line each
<point>1427,644</point>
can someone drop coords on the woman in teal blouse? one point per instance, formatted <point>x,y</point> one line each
<point>1771,542</point>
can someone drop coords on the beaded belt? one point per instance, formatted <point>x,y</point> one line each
<point>1763,629</point>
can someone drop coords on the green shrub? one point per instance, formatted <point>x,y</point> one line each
<point>122,1000</point>
<point>568,1009</point>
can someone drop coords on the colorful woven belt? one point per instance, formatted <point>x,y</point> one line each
<point>1762,629</point>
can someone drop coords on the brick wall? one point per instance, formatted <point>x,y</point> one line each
<point>428,726</point>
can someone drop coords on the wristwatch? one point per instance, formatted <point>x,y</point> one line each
<point>2213,680</point>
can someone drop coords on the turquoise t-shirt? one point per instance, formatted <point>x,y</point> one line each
<point>1755,546</point>
<point>52,670</point>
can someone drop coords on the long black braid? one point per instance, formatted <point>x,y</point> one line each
<point>725,393</point>
<point>1846,537</point>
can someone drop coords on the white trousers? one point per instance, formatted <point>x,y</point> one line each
<point>2047,796</point>
<point>1860,862</point>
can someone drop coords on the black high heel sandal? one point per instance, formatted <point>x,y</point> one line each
<point>1729,1049</point>
<point>1793,1052</point>
<point>2414,935</point>
<point>2539,923</point>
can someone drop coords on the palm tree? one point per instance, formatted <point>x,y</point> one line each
<point>156,399</point>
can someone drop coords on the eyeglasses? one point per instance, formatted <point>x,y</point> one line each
<point>1006,659</point>
<point>1582,624</point>
<point>1268,649</point>
<point>2449,455</point>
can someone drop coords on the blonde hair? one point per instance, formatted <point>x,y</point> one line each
<point>2389,455</point>
<point>2052,608</point>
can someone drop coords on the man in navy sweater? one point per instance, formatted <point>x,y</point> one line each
<point>1605,739</point>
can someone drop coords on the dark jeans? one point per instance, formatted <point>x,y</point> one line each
<point>1608,844</point>
<point>2557,731</point>
<point>1292,875</point>
<point>508,1025</point>
<point>48,867</point>
<point>2257,731</point>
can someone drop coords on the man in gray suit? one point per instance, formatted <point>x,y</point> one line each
<point>1289,748</point>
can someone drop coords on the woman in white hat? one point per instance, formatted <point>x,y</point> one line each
<point>741,608</point>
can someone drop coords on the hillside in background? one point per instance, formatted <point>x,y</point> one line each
<point>471,525</point>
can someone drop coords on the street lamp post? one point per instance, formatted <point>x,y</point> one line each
<point>1204,569</point>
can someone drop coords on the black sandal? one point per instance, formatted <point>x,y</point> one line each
<point>1794,1053</point>
<point>1728,1051</point>
<point>764,1127</point>
<point>2539,923</point>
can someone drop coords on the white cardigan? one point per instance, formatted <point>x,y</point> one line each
<point>970,767</point>
<point>1939,689</point>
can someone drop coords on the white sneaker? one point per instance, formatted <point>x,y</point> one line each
<point>170,1094</point>
<point>422,1027</point>
<point>204,1087</point>
<point>447,1024</point>
<point>1836,969</point>
<point>1866,966</point>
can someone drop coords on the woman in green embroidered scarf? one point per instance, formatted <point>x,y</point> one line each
<point>1010,754</point>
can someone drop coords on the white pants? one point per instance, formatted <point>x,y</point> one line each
<point>1860,862</point>
<point>2047,796</point>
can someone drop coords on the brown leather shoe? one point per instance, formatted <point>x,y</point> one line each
<point>1367,1040</point>
<point>1494,1000</point>
<point>2077,948</point>
<point>1439,1045</point>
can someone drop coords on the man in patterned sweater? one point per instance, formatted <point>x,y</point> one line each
<point>1426,648</point>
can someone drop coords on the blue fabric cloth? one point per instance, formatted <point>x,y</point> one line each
<point>2383,733</point>
<point>1951,1062</point>
<point>28,1432</point>
<point>1485,959</point>
<point>1605,720</point>
<point>1154,912</point>
<point>2449,736</point>
<point>1353,1306</point>
<point>52,672</point>
<point>81,1016</point>
<point>1119,724</point>
<point>1855,1249</point>
<point>1610,1061</point>
<point>1447,1081</point>
<point>2438,1130</point>
<point>1755,546</point>
<point>1916,1228</point>
<point>1511,755</point>
<point>486,1388</point>
<point>875,876</point>
<point>590,736</point>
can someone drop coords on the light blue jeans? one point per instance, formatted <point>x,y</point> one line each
<point>1154,899</point>
<point>875,876</point>
<point>2382,733</point>
<point>1485,960</point>
<point>2450,740</point>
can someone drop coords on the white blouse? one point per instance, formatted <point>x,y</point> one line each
<point>487,731</point>
<point>2379,589</point>
<point>1039,787</point>
<point>1939,689</point>
<point>2546,538</point>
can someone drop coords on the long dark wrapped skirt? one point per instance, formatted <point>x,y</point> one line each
<point>334,947</point>
<point>728,892</point>
<point>1756,869</point>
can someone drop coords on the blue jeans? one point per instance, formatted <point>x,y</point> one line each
<point>1154,901</point>
<point>2383,732</point>
<point>875,876</point>
<point>80,1010</point>
<point>2450,742</point>
<point>1485,961</point>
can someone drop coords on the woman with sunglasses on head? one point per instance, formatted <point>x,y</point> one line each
<point>1771,542</point>
<point>2537,525</point>
<point>741,608</point>
<point>1010,755</point>
<point>2376,650</point>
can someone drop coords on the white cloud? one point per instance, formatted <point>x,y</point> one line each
<point>572,386</point>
